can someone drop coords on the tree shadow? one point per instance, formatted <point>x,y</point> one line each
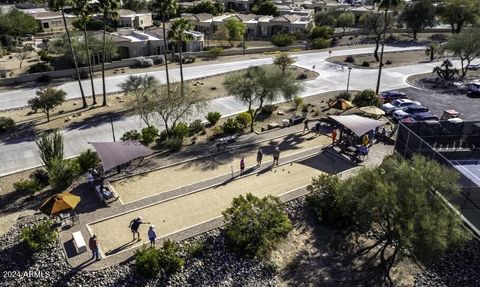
<point>328,163</point>
<point>24,132</point>
<point>97,119</point>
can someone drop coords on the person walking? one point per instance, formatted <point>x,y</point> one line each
<point>152,235</point>
<point>334,136</point>
<point>276,155</point>
<point>93,244</point>
<point>305,126</point>
<point>383,134</point>
<point>242,165</point>
<point>259,157</point>
<point>134,225</point>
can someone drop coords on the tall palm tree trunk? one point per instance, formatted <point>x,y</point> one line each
<point>104,56</point>
<point>90,69</point>
<point>180,48</point>
<point>377,90</point>
<point>165,51</point>
<point>74,57</point>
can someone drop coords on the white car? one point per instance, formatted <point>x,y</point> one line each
<point>408,111</point>
<point>399,104</point>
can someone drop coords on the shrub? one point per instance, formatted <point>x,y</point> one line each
<point>40,68</point>
<point>40,176</point>
<point>302,76</point>
<point>322,32</point>
<point>230,126</point>
<point>44,56</point>
<point>388,62</point>
<point>365,64</point>
<point>344,96</point>
<point>158,60</point>
<point>213,117</point>
<point>282,40</point>
<point>215,52</point>
<point>28,186</point>
<point>147,261</point>
<point>244,119</point>
<point>6,124</point>
<point>269,109</point>
<point>169,259</point>
<point>132,135</point>
<point>366,98</point>
<point>189,59</point>
<point>39,236</point>
<point>196,127</point>
<point>83,74</point>
<point>61,173</point>
<point>298,101</point>
<point>148,135</point>
<point>87,160</point>
<point>162,137</point>
<point>255,226</point>
<point>180,130</point>
<point>143,62</point>
<point>350,59</point>
<point>217,131</point>
<point>44,79</point>
<point>196,248</point>
<point>173,144</point>
<point>320,43</point>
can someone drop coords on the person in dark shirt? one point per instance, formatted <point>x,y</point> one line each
<point>134,225</point>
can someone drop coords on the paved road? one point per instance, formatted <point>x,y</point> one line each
<point>21,154</point>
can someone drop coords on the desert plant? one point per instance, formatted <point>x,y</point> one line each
<point>213,117</point>
<point>195,248</point>
<point>6,124</point>
<point>173,143</point>
<point>44,56</point>
<point>40,176</point>
<point>215,52</point>
<point>39,68</point>
<point>365,64</point>
<point>50,147</point>
<point>321,32</point>
<point>350,59</point>
<point>148,135</point>
<point>180,130</point>
<point>282,40</point>
<point>47,100</point>
<point>446,71</point>
<point>28,186</point>
<point>269,109</point>
<point>302,76</point>
<point>158,60</point>
<point>143,62</point>
<point>132,135</point>
<point>87,160</point>
<point>344,96</point>
<point>147,261</point>
<point>44,79</point>
<point>244,119</point>
<point>196,127</point>
<point>298,101</point>
<point>61,173</point>
<point>366,98</point>
<point>40,236</point>
<point>320,43</point>
<point>230,126</point>
<point>169,259</point>
<point>217,131</point>
<point>388,62</point>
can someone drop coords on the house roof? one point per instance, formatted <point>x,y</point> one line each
<point>246,17</point>
<point>126,12</point>
<point>200,17</point>
<point>49,15</point>
<point>286,18</point>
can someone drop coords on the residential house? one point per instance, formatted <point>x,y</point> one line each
<point>50,21</point>
<point>132,19</point>
<point>194,45</point>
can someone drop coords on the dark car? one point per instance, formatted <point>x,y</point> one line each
<point>408,111</point>
<point>389,96</point>
<point>473,89</point>
<point>420,117</point>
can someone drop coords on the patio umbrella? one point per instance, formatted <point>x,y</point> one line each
<point>60,202</point>
<point>341,104</point>
<point>374,111</point>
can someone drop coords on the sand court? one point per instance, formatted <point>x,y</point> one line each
<point>189,210</point>
<point>137,187</point>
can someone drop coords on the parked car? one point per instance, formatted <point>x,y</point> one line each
<point>399,104</point>
<point>473,89</point>
<point>411,110</point>
<point>420,117</point>
<point>389,96</point>
<point>473,67</point>
<point>451,116</point>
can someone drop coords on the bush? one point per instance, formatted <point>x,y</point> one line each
<point>148,135</point>
<point>302,76</point>
<point>173,144</point>
<point>39,236</point>
<point>143,62</point>
<point>344,96</point>
<point>268,109</point>
<point>321,32</point>
<point>169,259</point>
<point>44,79</point>
<point>40,68</point>
<point>244,119</point>
<point>61,173</point>
<point>320,43</point>
<point>6,124</point>
<point>196,248</point>
<point>195,127</point>
<point>28,186</point>
<point>366,98</point>
<point>298,101</point>
<point>87,160</point>
<point>158,60</point>
<point>213,117</point>
<point>132,135</point>
<point>230,126</point>
<point>365,64</point>
<point>189,59</point>
<point>44,56</point>
<point>147,261</point>
<point>217,131</point>
<point>388,62</point>
<point>83,74</point>
<point>282,40</point>
<point>40,176</point>
<point>180,130</point>
<point>255,226</point>
<point>350,59</point>
<point>215,52</point>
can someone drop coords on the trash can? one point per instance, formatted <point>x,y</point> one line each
<point>285,123</point>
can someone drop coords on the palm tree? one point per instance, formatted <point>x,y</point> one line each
<point>58,5</point>
<point>165,8</point>
<point>178,34</point>
<point>84,12</point>
<point>109,9</point>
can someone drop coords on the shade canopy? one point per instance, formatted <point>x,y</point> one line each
<point>357,124</point>
<point>60,202</point>
<point>114,154</point>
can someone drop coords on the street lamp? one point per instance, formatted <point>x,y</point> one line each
<point>348,81</point>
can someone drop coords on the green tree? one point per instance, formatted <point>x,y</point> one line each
<point>418,15</point>
<point>374,22</point>
<point>327,17</point>
<point>87,160</point>
<point>345,20</point>
<point>39,236</point>
<point>141,88</point>
<point>16,23</point>
<point>178,33</point>
<point>135,5</point>
<point>457,13</point>
<point>61,173</point>
<point>46,100</point>
<point>147,261</point>
<point>256,226</point>
<point>59,5</point>
<point>209,7</point>
<point>236,30</point>
<point>399,200</point>
<point>366,98</point>
<point>466,46</point>
<point>264,7</point>
<point>109,10</point>
<point>221,34</point>
<point>324,32</point>
<point>215,52</point>
<point>258,86</point>
<point>50,147</point>
<point>283,61</point>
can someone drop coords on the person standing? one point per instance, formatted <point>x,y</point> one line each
<point>259,157</point>
<point>334,136</point>
<point>365,140</point>
<point>383,134</point>
<point>305,126</point>
<point>242,165</point>
<point>152,235</point>
<point>93,244</point>
<point>276,155</point>
<point>134,225</point>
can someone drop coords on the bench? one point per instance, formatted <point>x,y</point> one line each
<point>79,242</point>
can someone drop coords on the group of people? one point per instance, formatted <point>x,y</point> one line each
<point>260,154</point>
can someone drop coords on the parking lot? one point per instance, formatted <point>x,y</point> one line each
<point>438,102</point>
